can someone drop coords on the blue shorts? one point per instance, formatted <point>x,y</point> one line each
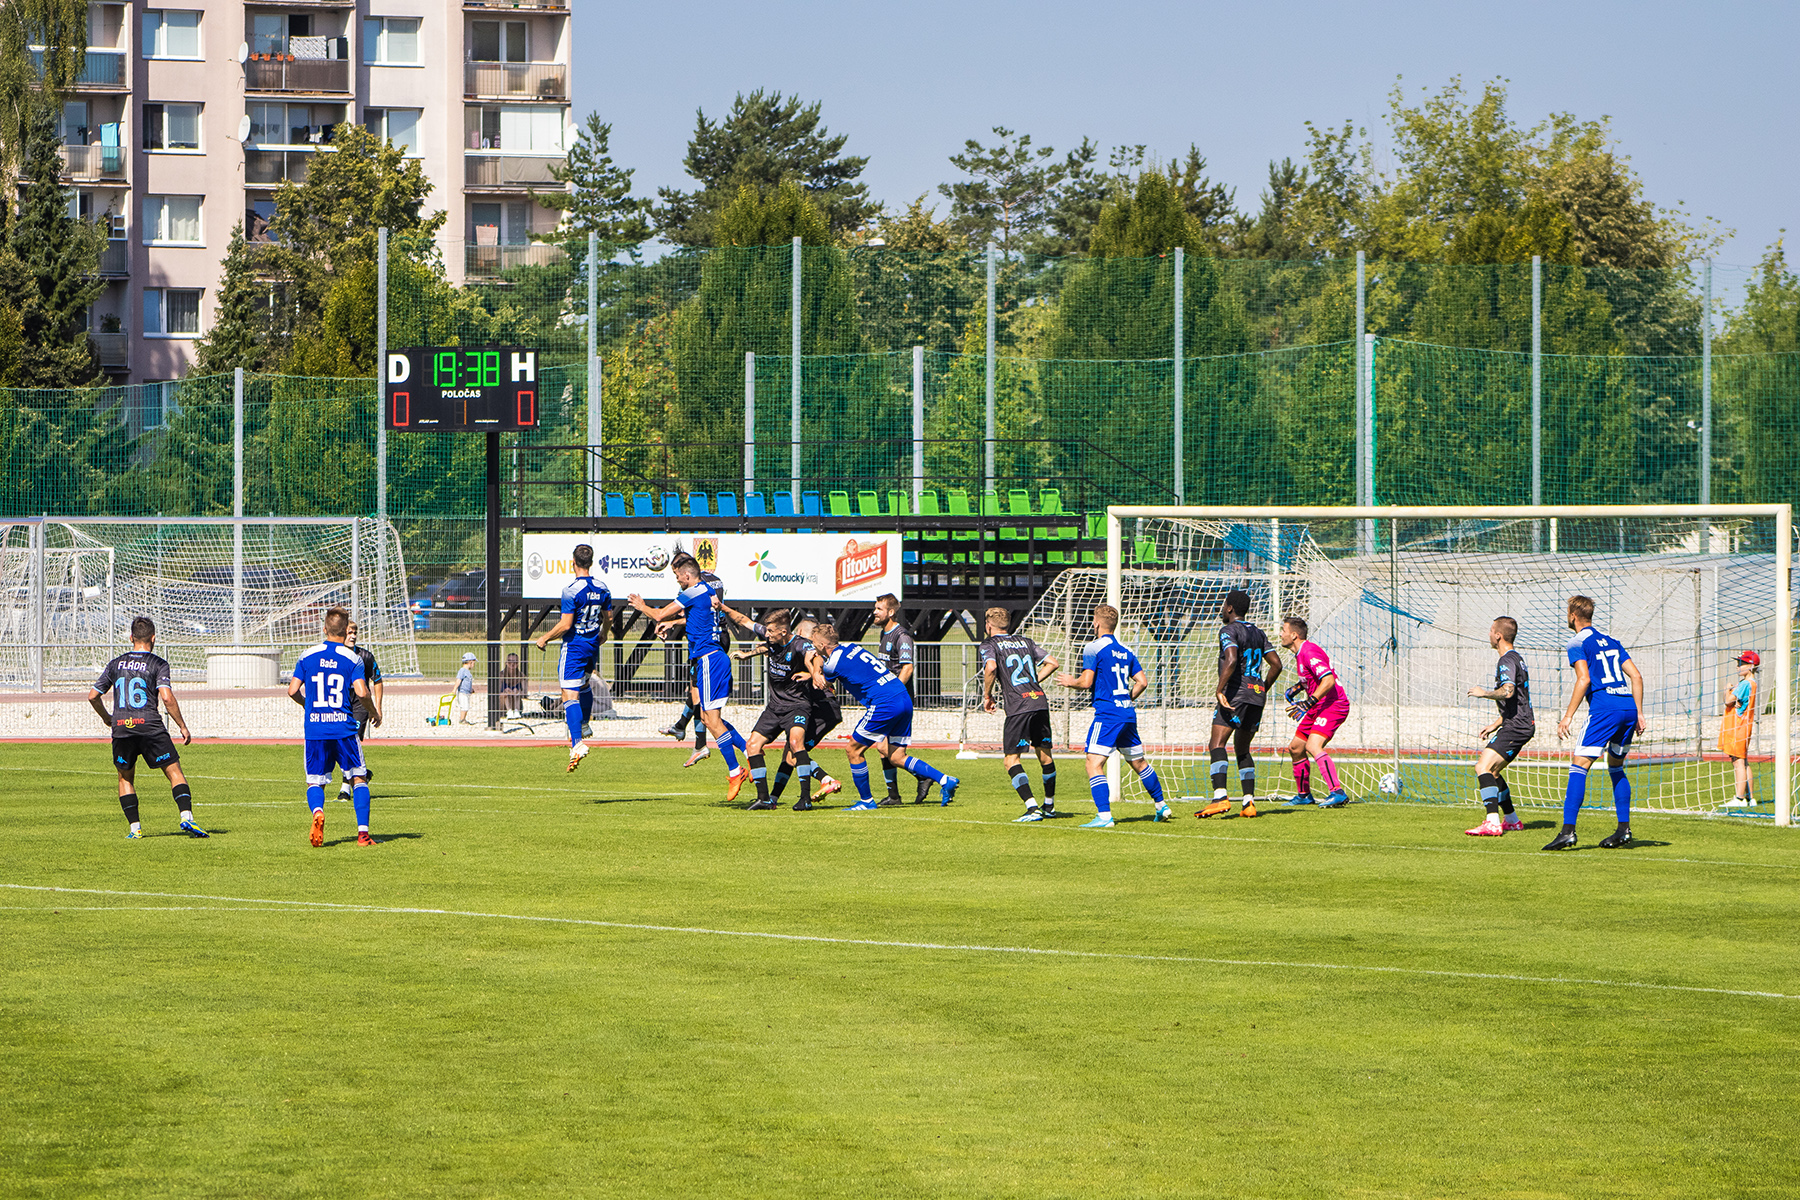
<point>1609,731</point>
<point>322,754</point>
<point>712,677</point>
<point>579,658</point>
<point>1115,731</point>
<point>888,718</point>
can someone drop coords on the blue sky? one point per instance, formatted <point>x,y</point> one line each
<point>1703,97</point>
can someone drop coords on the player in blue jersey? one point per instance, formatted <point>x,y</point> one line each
<point>697,605</point>
<point>887,714</point>
<point>1112,672</point>
<point>1607,678</point>
<point>583,626</point>
<point>327,683</point>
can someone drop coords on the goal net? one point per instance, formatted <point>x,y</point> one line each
<point>1402,603</point>
<point>72,586</point>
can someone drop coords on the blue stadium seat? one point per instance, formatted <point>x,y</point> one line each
<point>755,506</point>
<point>697,506</point>
<point>728,505</point>
<point>784,504</point>
<point>643,504</point>
<point>615,504</point>
<point>671,505</point>
<point>810,506</point>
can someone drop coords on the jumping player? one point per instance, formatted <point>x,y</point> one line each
<point>327,682</point>
<point>1738,725</point>
<point>1116,678</point>
<point>1508,732</point>
<point>1607,678</point>
<point>789,708</point>
<point>898,651</point>
<point>1320,704</point>
<point>1247,669</point>
<point>139,680</point>
<point>583,626</point>
<point>1020,666</point>
<point>364,714</point>
<point>887,714</point>
<point>711,666</point>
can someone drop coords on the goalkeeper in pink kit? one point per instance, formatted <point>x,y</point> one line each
<point>1320,703</point>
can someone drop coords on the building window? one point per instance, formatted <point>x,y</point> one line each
<point>526,128</point>
<point>497,41</point>
<point>158,403</point>
<point>172,312</point>
<point>259,220</point>
<point>397,125</point>
<point>172,127</point>
<point>500,224</point>
<point>294,124</point>
<point>172,221</point>
<point>391,40</point>
<point>171,33</point>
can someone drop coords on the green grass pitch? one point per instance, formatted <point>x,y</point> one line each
<point>612,984</point>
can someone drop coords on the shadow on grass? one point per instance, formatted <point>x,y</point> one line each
<point>350,839</point>
<point>624,799</point>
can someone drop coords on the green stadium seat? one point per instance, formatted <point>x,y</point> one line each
<point>840,504</point>
<point>868,504</point>
<point>899,504</point>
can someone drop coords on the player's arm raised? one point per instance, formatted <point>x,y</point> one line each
<point>1576,695</point>
<point>671,609</point>
<point>168,700</point>
<point>737,618</point>
<point>1637,690</point>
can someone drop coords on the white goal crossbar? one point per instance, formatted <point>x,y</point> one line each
<point>1372,521</point>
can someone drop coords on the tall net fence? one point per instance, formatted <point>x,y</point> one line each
<point>1092,396</point>
<point>1403,609</point>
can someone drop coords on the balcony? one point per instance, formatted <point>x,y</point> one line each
<point>272,168</point>
<point>102,70</point>
<point>524,5</point>
<point>93,162</point>
<point>509,171</point>
<point>489,262</point>
<point>286,74</point>
<point>516,81</point>
<point>115,260</point>
<point>114,349</point>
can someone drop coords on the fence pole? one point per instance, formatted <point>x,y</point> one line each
<point>1706,329</point>
<point>1360,457</point>
<point>381,345</point>
<point>1180,482</point>
<point>39,558</point>
<point>794,387</point>
<point>990,372</point>
<point>918,423</point>
<point>1537,379</point>
<point>1784,665</point>
<point>596,382</point>
<point>1372,407</point>
<point>237,498</point>
<point>749,421</point>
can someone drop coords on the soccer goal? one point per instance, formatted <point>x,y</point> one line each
<point>72,585</point>
<point>1402,599</point>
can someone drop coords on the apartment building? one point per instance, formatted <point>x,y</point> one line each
<point>188,117</point>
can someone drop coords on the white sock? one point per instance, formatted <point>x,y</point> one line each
<point>136,825</point>
<point>186,815</point>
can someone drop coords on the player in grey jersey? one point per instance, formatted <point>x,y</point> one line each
<point>1020,666</point>
<point>899,652</point>
<point>1507,733</point>
<point>138,682</point>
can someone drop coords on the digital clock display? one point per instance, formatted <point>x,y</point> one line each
<point>486,388</point>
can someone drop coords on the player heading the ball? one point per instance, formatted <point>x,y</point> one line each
<point>1609,681</point>
<point>585,622</point>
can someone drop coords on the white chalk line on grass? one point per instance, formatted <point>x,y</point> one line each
<point>480,787</point>
<point>264,904</point>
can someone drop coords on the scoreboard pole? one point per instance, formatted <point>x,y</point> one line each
<point>493,579</point>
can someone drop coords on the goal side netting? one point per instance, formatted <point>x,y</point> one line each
<point>1403,604</point>
<point>73,585</point>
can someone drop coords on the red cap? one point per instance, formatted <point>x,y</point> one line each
<point>1751,657</point>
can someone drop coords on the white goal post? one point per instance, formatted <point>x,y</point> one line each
<point>1408,593</point>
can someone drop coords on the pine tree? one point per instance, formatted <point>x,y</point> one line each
<point>598,198</point>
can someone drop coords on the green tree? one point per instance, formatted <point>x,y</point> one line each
<point>916,283</point>
<point>597,196</point>
<point>1010,193</point>
<point>1271,234</point>
<point>766,140</point>
<point>27,75</point>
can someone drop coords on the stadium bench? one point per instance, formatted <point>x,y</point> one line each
<point>755,505</point>
<point>784,504</point>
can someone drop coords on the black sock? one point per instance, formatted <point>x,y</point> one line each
<point>184,798</point>
<point>699,734</point>
<point>128,802</point>
<point>804,762</point>
<point>1247,774</point>
<point>890,774</point>
<point>1049,783</point>
<point>1016,776</point>
<point>759,774</point>
<point>1490,792</point>
<point>1219,766</point>
<point>1505,796</point>
<point>782,773</point>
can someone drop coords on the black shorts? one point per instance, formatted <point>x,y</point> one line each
<point>1510,739</point>
<point>826,716</point>
<point>1245,718</point>
<point>1027,730</point>
<point>774,723</point>
<point>157,750</point>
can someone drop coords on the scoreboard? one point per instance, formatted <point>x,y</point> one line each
<point>482,388</point>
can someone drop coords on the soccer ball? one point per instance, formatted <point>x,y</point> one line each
<point>657,559</point>
<point>1390,783</point>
